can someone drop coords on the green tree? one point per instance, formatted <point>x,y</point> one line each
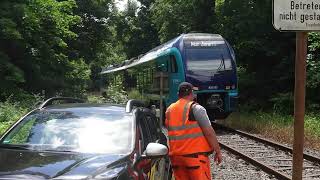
<point>313,71</point>
<point>173,17</point>
<point>135,29</point>
<point>266,54</point>
<point>97,43</point>
<point>34,48</point>
<point>11,75</point>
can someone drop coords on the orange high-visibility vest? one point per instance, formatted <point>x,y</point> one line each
<point>185,137</point>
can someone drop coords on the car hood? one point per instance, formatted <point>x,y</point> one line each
<point>21,164</point>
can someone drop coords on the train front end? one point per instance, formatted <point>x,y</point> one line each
<point>210,66</point>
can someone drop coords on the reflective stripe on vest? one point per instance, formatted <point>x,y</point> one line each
<point>184,126</point>
<point>187,136</point>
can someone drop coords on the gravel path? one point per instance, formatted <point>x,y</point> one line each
<point>233,168</point>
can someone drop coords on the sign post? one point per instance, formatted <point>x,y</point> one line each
<point>299,16</point>
<point>299,104</point>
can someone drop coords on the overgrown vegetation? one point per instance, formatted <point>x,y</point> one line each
<point>276,126</point>
<point>14,108</point>
<point>116,94</point>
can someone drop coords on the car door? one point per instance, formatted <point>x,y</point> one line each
<point>149,131</point>
<point>160,167</point>
<point>144,166</point>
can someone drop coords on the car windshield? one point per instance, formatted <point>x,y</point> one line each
<point>211,59</point>
<point>88,130</point>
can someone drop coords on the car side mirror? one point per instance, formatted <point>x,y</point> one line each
<point>155,150</point>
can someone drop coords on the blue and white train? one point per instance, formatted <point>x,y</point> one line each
<point>205,60</point>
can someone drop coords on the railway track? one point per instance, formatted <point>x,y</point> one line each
<point>267,155</point>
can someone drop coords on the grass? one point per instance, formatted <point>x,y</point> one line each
<point>277,127</point>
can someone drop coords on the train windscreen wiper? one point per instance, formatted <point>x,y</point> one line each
<point>222,64</point>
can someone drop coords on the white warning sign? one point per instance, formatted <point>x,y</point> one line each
<point>296,15</point>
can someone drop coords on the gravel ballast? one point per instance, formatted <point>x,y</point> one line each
<point>233,168</point>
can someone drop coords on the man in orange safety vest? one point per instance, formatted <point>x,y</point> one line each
<point>191,137</point>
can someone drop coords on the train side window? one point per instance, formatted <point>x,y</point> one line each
<point>173,64</point>
<point>163,66</point>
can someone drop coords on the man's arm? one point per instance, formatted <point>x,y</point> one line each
<point>211,138</point>
<point>201,116</point>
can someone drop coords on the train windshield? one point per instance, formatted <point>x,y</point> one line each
<point>213,59</point>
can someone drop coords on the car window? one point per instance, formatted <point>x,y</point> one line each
<point>152,125</point>
<point>141,139</point>
<point>91,130</point>
<point>148,129</point>
<point>145,133</point>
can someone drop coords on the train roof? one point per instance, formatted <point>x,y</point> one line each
<point>155,52</point>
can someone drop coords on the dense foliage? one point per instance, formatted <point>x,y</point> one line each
<point>57,47</point>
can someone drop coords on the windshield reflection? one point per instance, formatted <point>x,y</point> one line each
<point>79,129</point>
<point>208,59</point>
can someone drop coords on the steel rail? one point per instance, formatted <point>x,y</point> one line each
<point>254,161</point>
<point>306,156</point>
<point>262,166</point>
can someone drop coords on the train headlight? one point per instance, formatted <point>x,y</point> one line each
<point>215,101</point>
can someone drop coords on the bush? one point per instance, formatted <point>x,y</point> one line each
<point>116,94</point>
<point>283,103</point>
<point>14,107</point>
<point>96,99</point>
<point>312,125</point>
<point>10,112</point>
<point>135,94</point>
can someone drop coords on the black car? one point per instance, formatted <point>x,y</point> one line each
<point>85,141</point>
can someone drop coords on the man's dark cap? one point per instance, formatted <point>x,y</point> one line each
<point>185,89</point>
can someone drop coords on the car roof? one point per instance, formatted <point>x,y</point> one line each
<point>85,106</point>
